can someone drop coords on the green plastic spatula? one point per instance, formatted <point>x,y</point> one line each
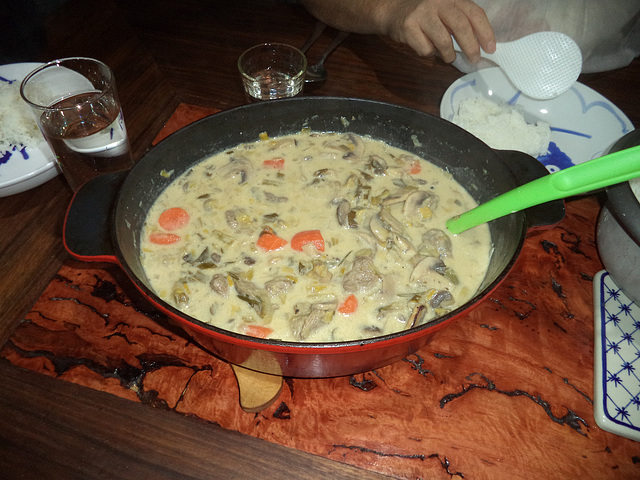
<point>598,173</point>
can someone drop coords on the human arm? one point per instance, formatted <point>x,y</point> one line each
<point>424,25</point>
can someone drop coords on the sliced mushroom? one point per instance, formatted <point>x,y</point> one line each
<point>350,145</point>
<point>403,245</point>
<point>179,294</point>
<point>345,215</point>
<point>362,194</point>
<point>203,261</point>
<point>370,331</point>
<point>256,297</point>
<point>427,273</point>
<point>352,181</point>
<point>231,217</point>
<point>390,222</point>
<point>322,176</point>
<point>440,298</point>
<point>357,147</point>
<point>271,198</point>
<point>378,165</point>
<point>193,260</point>
<point>417,316</point>
<point>325,173</point>
<point>392,315</point>
<point>320,271</point>
<point>237,168</point>
<point>366,238</point>
<point>437,242</point>
<point>416,201</point>
<point>378,229</point>
<point>399,196</point>
<point>342,213</point>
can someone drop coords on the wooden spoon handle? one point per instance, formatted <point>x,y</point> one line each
<point>257,390</point>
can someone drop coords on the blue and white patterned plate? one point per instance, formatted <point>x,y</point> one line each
<point>616,403</point>
<point>583,123</point>
<point>23,168</point>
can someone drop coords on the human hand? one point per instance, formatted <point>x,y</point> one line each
<point>427,25</point>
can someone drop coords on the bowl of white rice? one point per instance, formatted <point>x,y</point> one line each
<point>26,160</point>
<point>574,127</point>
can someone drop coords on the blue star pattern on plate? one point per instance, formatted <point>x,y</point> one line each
<point>616,359</point>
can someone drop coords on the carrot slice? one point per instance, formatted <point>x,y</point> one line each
<point>415,168</point>
<point>258,331</point>
<point>300,239</point>
<point>277,163</point>
<point>173,218</point>
<point>161,238</point>
<point>270,242</point>
<point>349,305</point>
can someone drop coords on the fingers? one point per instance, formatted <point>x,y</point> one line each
<point>427,28</point>
<point>468,23</point>
<point>480,25</point>
<point>418,39</point>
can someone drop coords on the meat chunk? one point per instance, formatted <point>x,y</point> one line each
<point>220,284</point>
<point>279,285</point>
<point>310,317</point>
<point>362,277</point>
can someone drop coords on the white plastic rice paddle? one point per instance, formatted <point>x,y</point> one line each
<point>541,65</point>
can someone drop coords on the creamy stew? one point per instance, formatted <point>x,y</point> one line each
<point>313,238</point>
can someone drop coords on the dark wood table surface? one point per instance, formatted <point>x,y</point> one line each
<point>166,53</point>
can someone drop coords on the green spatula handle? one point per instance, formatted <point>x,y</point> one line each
<point>598,173</point>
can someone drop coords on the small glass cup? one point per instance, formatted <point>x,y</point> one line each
<point>76,106</point>
<point>272,70</point>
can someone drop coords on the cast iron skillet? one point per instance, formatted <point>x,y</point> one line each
<point>94,236</point>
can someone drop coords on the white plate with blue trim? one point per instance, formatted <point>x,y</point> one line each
<point>584,124</point>
<point>616,402</point>
<point>23,167</point>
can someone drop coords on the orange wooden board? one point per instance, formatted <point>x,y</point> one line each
<point>491,396</point>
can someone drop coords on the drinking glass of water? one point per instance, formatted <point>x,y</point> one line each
<point>272,70</point>
<point>76,106</point>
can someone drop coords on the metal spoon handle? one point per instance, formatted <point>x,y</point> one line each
<point>333,45</point>
<point>317,31</point>
<point>586,177</point>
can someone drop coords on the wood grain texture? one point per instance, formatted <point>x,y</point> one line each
<point>44,434</point>
<point>504,393</point>
<point>495,394</point>
<point>517,368</point>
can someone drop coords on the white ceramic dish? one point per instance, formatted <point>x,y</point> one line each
<point>584,124</point>
<point>616,403</point>
<point>21,168</point>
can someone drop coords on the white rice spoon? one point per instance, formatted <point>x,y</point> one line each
<point>541,65</point>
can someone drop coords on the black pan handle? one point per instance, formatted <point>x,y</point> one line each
<point>526,168</point>
<point>87,225</point>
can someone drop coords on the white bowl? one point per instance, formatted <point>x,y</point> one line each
<point>23,168</point>
<point>584,124</point>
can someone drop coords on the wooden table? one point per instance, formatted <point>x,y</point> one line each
<point>491,406</point>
